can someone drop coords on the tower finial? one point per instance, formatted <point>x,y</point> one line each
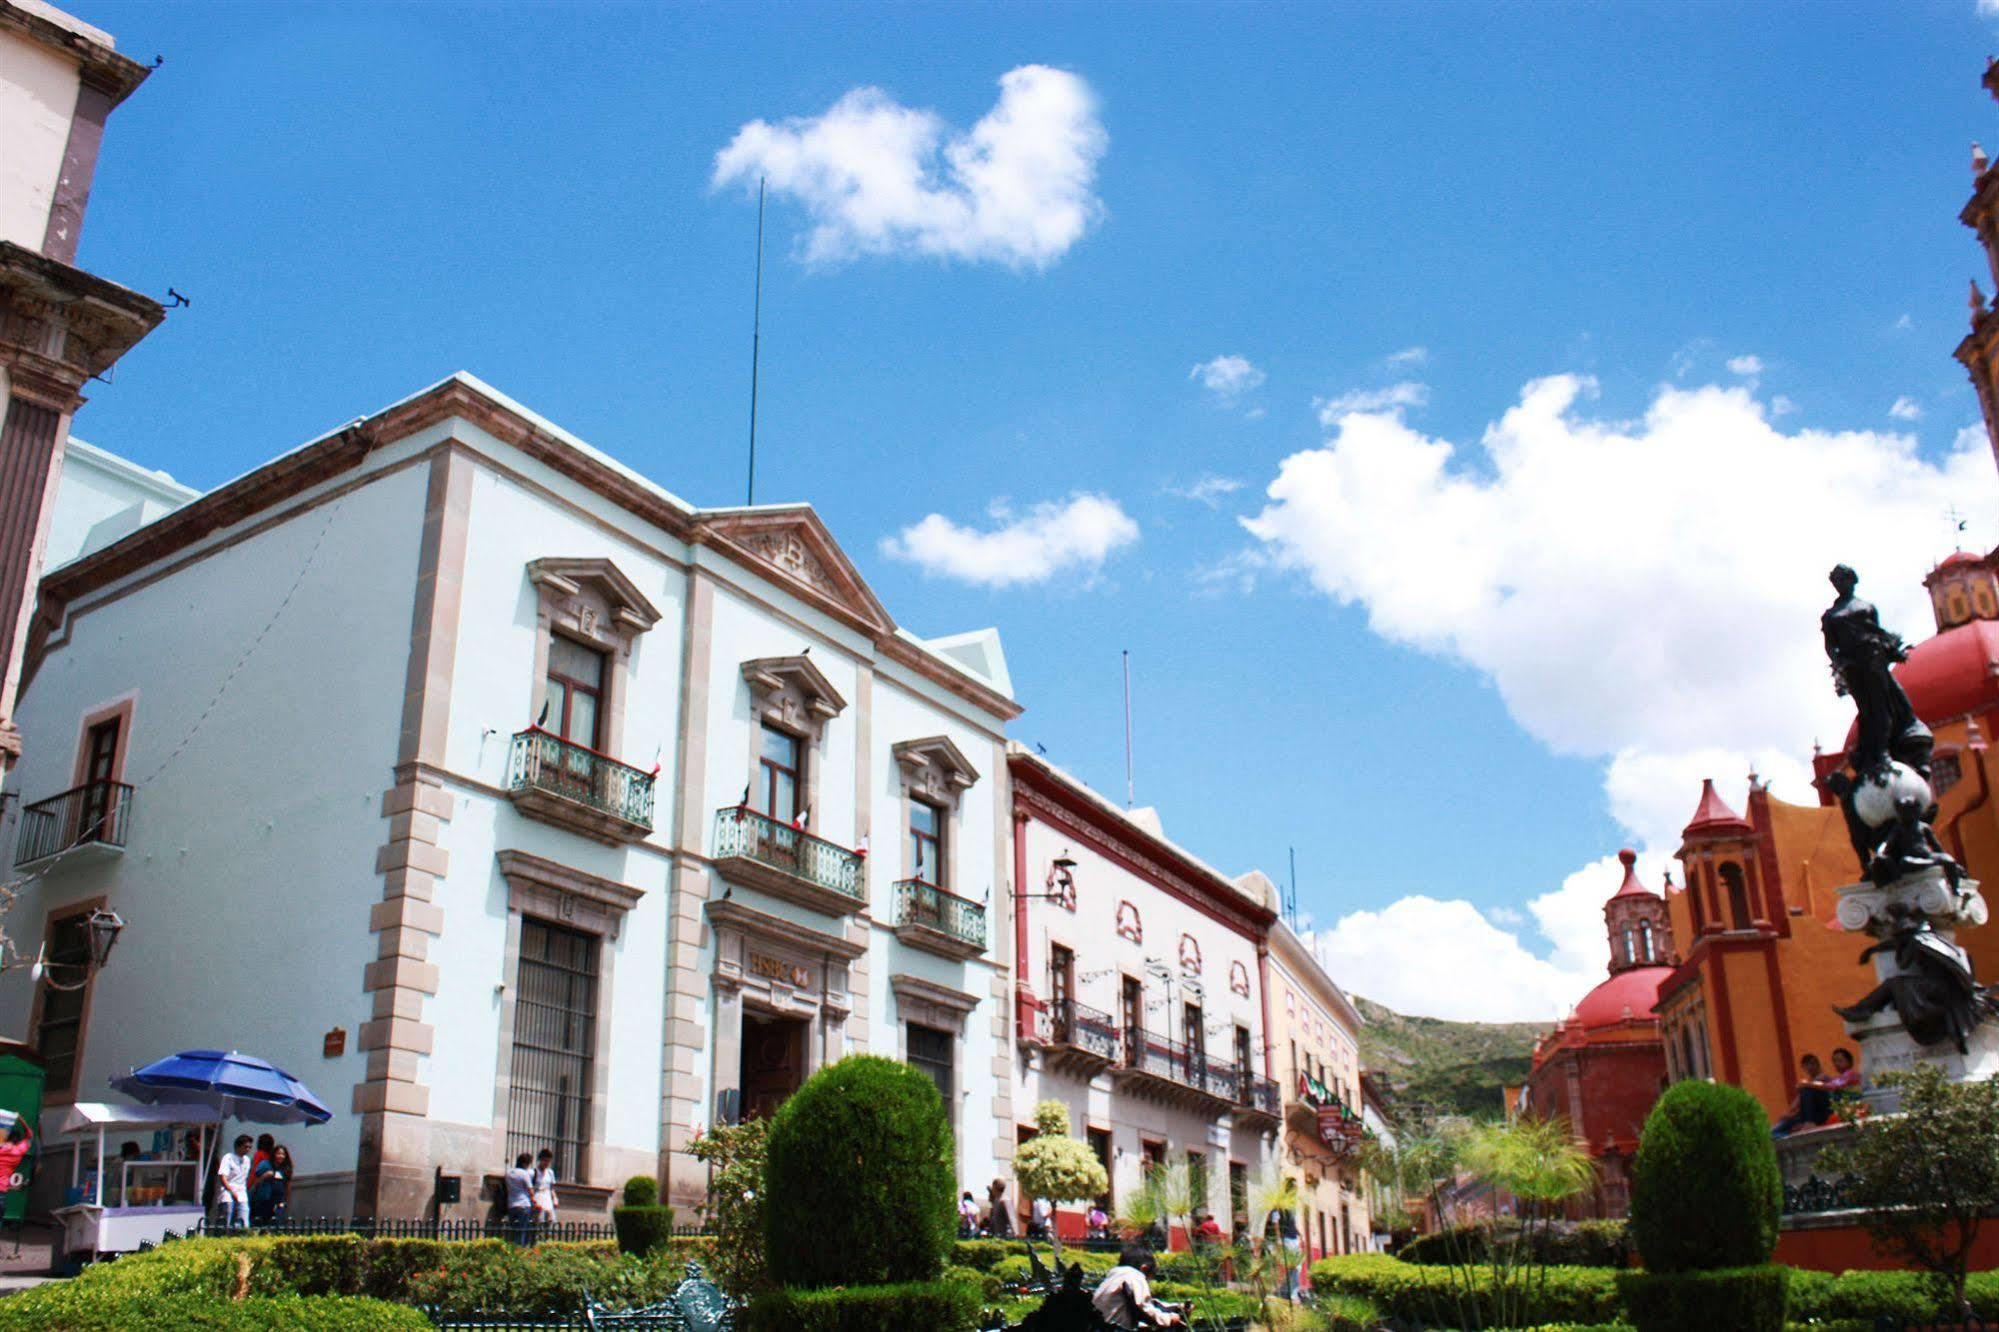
<point>1977,303</point>
<point>1979,161</point>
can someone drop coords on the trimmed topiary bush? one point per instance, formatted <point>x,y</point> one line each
<point>899,1307</point>
<point>642,1224</point>
<point>1747,1298</point>
<point>1705,1191</point>
<point>858,1184</point>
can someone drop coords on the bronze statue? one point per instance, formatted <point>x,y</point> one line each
<point>1862,653</point>
<point>1910,846</point>
<point>1934,993</point>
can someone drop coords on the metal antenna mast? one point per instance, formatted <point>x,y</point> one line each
<point>1128,789</point>
<point>1291,903</point>
<point>756,343</point>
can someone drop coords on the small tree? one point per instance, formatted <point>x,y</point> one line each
<point>734,1154</point>
<point>1542,1164</point>
<point>1928,1176</point>
<point>1055,1166</point>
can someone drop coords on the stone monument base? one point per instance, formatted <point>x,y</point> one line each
<point>1885,1047</point>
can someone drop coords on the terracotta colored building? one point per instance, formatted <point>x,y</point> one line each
<point>1603,1065</point>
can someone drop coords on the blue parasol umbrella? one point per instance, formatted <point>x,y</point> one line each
<point>236,1086</point>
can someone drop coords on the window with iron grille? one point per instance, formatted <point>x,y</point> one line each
<point>930,1050</point>
<point>555,1040</point>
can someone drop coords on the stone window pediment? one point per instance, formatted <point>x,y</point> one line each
<point>592,599</point>
<point>537,886</point>
<point>934,767</point>
<point>792,692</point>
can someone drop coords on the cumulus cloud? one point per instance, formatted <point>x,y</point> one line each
<point>1988,8</point>
<point>1745,365</point>
<point>1393,398</point>
<point>878,177</point>
<point>1409,356</point>
<point>1210,490</point>
<point>1443,959</point>
<point>1227,377</point>
<point>1626,608</point>
<point>1078,533</point>
<point>1906,408</point>
<point>1903,323</point>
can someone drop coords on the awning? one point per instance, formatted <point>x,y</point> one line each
<point>86,1116</point>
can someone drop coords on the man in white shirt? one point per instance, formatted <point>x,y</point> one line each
<point>1125,1297</point>
<point>1040,1214</point>
<point>232,1175</point>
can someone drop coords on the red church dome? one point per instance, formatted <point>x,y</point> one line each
<point>1636,989</point>
<point>1954,673</point>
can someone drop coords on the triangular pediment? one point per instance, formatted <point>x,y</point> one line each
<point>793,546</point>
<point>937,751</point>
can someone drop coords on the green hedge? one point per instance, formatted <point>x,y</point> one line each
<point>859,1179</point>
<point>1705,1190</point>
<point>1416,1293</point>
<point>73,1307</point>
<point>1565,1244</point>
<point>898,1307</point>
<point>1744,1299</point>
<point>642,1229</point>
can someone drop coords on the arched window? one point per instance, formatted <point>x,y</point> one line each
<point>1738,895</point>
<point>1629,956</point>
<point>1645,939</point>
<point>1687,1050</point>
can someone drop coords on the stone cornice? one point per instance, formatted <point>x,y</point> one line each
<point>1041,795</point>
<point>102,67</point>
<point>762,924</point>
<point>929,992</point>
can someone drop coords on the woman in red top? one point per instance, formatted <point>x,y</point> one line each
<point>20,1138</point>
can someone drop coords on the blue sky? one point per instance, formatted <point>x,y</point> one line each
<point>360,199</point>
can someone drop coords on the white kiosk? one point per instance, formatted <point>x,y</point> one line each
<point>131,1201</point>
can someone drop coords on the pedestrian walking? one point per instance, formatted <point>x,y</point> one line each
<point>520,1198</point>
<point>968,1216</point>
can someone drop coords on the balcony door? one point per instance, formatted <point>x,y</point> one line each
<point>1194,1036</point>
<point>98,806</point>
<point>575,710</point>
<point>1131,1015</point>
<point>780,769</point>
<point>1061,988</point>
<point>1242,1058</point>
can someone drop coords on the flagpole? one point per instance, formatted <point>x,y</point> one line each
<point>756,343</point>
<point>1128,789</point>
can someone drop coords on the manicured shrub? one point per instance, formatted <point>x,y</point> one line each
<point>1705,1189</point>
<point>1744,1299</point>
<point>897,1307</point>
<point>641,1230</point>
<point>858,1182</point>
<point>985,1254</point>
<point>1418,1294</point>
<point>1564,1244</point>
<point>986,1283</point>
<point>68,1307</point>
<point>641,1191</point>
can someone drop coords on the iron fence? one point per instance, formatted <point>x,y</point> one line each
<point>542,761</point>
<point>92,814</point>
<point>741,831</point>
<point>1815,1195</point>
<point>920,903</point>
<point>1260,1094</point>
<point>561,1232</point>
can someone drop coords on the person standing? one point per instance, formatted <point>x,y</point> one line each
<point>520,1198</point>
<point>270,1186</point>
<point>544,1189</point>
<point>999,1221</point>
<point>232,1185</point>
<point>1040,1215</point>
<point>19,1139</point>
<point>968,1216</point>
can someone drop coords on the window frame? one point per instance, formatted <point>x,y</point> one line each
<point>57,916</point>
<point>937,842</point>
<point>558,725</point>
<point>572,1156</point>
<point>764,797</point>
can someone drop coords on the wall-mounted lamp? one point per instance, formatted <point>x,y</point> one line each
<point>1061,883</point>
<point>102,929</point>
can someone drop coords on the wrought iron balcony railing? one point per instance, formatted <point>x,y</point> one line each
<point>545,762</point>
<point>1071,1023</point>
<point>1260,1094</point>
<point>920,903</point>
<point>1175,1062</point>
<point>741,831</point>
<point>93,814</point>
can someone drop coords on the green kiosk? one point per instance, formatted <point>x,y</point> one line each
<point>21,1079</point>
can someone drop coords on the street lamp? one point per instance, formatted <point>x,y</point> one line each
<point>102,928</point>
<point>1061,883</point>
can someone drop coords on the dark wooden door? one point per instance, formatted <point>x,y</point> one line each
<point>773,1063</point>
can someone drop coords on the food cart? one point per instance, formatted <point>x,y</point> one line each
<point>127,1201</point>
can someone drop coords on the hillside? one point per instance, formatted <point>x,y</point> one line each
<point>1457,1067</point>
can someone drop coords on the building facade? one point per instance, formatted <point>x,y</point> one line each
<point>60,326</point>
<point>1603,1066</point>
<point>1315,1054</point>
<point>1140,1000</point>
<point>510,801</point>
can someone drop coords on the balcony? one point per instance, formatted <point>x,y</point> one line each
<point>1077,1039</point>
<point>1319,1112</point>
<point>84,822</point>
<point>1175,1074</point>
<point>937,921</point>
<point>787,862</point>
<point>550,779</point>
<point>1258,1103</point>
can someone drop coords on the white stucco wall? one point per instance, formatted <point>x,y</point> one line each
<point>101,497</point>
<point>249,869</point>
<point>37,101</point>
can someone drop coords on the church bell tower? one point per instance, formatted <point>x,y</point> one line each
<point>1979,352</point>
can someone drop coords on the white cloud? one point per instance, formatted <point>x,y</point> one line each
<point>1904,322</point>
<point>1227,377</point>
<point>1409,356</point>
<point>1745,365</point>
<point>1210,490</point>
<point>1906,408</point>
<point>878,177</point>
<point>1988,8</point>
<point>1626,607</point>
<point>1781,406</point>
<point>1443,959</point>
<point>1506,917</point>
<point>1050,538</point>
<point>1391,400</point>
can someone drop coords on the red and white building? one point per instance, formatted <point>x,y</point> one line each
<point>1141,997</point>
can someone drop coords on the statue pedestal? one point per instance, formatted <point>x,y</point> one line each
<point>1885,1044</point>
